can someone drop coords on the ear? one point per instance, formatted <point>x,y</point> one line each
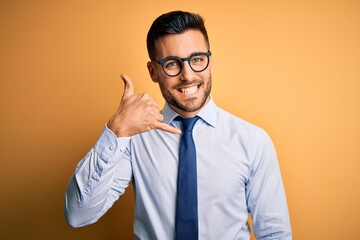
<point>152,71</point>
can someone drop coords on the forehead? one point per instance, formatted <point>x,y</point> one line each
<point>181,44</point>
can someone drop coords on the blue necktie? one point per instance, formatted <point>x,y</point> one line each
<point>186,222</point>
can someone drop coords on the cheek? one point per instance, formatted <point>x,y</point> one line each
<point>205,77</point>
<point>164,83</point>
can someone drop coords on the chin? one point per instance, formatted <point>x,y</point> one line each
<point>189,105</point>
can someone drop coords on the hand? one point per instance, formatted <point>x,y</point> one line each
<point>137,113</point>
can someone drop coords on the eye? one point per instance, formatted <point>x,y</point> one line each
<point>198,59</point>
<point>172,63</point>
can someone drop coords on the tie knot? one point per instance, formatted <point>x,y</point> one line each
<point>188,123</point>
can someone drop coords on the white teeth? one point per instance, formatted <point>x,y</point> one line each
<point>189,90</point>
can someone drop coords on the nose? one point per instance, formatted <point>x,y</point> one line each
<point>187,74</point>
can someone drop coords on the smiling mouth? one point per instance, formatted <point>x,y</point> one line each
<point>189,90</point>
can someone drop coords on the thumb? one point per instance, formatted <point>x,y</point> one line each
<point>128,86</point>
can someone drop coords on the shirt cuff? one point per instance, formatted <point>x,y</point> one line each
<point>108,144</point>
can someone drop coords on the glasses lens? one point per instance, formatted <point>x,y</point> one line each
<point>172,66</point>
<point>199,62</point>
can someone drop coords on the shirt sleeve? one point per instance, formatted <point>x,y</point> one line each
<point>265,192</point>
<point>99,180</point>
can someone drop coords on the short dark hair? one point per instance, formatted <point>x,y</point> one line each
<point>172,23</point>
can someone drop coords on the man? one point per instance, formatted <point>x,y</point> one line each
<point>234,162</point>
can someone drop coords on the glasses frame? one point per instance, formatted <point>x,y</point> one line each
<point>182,60</point>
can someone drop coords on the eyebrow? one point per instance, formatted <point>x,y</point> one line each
<point>193,53</point>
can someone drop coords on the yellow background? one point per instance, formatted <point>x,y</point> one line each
<point>291,67</point>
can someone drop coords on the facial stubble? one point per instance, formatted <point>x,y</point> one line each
<point>191,105</point>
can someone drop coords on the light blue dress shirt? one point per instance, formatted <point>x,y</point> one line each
<point>237,168</point>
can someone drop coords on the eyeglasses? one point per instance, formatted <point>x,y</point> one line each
<point>172,66</point>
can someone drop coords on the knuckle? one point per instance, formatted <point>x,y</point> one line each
<point>149,109</point>
<point>150,103</point>
<point>152,125</point>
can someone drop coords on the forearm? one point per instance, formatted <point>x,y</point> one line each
<point>100,178</point>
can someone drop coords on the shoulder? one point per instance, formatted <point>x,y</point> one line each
<point>253,134</point>
<point>228,120</point>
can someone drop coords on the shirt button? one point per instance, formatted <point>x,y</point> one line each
<point>122,149</point>
<point>111,147</point>
<point>95,177</point>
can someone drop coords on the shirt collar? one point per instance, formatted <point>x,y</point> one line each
<point>208,113</point>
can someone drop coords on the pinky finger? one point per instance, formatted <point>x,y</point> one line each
<point>167,128</point>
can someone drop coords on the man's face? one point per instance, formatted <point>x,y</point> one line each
<point>188,92</point>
